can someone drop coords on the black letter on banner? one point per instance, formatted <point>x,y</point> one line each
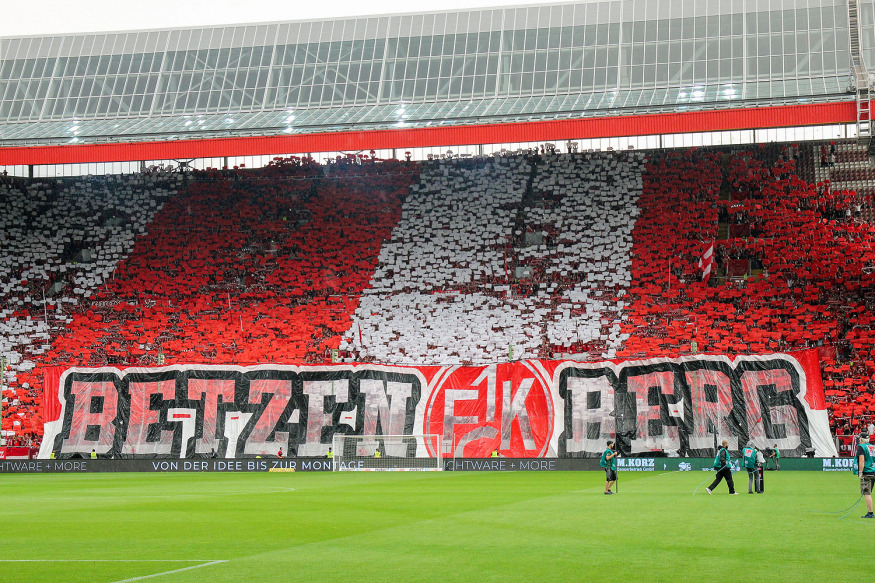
<point>147,397</point>
<point>211,393</point>
<point>590,415</point>
<point>384,403</point>
<point>85,428</point>
<point>715,409</point>
<point>653,416</point>
<point>776,413</point>
<point>325,393</point>
<point>272,415</point>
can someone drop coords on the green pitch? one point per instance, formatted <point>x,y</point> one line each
<point>428,526</point>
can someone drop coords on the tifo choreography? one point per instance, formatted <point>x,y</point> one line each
<point>523,409</point>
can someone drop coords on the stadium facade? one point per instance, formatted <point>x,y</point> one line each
<point>523,258</point>
<point>577,70</point>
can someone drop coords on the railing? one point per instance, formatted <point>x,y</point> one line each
<point>15,452</point>
<point>860,79</point>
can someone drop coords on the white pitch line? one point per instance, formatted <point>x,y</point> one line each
<point>197,495</point>
<point>111,561</point>
<point>169,572</point>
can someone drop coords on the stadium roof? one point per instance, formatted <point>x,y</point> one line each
<point>427,70</point>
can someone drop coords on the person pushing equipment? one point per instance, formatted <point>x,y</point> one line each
<point>722,464</point>
<point>866,470</point>
<point>760,474</point>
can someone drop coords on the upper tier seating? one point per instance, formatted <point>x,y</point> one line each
<point>242,267</point>
<point>807,278</point>
<point>592,255</point>
<point>431,296</point>
<point>60,241</point>
<point>493,255</point>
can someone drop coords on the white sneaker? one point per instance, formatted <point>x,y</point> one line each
<point>708,490</point>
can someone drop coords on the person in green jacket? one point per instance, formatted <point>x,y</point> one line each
<point>866,470</point>
<point>609,462</point>
<point>775,457</point>
<point>723,465</point>
<point>749,461</point>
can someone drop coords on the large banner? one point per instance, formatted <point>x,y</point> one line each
<point>166,465</point>
<point>528,409</point>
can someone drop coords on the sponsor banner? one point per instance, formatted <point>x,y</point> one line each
<point>520,465</point>
<point>527,409</point>
<point>657,465</point>
<point>845,464</point>
<point>638,464</point>
<point>166,465</point>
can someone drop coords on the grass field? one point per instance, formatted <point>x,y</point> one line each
<point>428,526</point>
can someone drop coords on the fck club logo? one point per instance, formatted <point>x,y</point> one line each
<point>504,407</point>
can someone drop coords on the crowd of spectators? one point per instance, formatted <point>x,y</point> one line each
<point>532,254</point>
<point>794,268</point>
<point>60,241</point>
<point>236,266</point>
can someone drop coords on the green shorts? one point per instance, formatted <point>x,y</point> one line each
<point>866,481</point>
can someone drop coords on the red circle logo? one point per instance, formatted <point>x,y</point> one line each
<point>506,408</point>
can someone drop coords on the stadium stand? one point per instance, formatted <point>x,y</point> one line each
<point>494,254</point>
<point>268,271</point>
<point>795,265</point>
<point>62,240</point>
<point>587,255</point>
